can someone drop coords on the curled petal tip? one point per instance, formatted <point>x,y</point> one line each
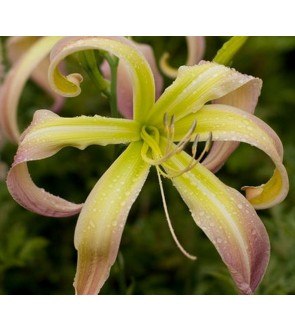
<point>140,73</point>
<point>252,192</point>
<point>35,199</point>
<point>196,47</point>
<point>75,78</point>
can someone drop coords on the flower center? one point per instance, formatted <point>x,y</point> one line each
<point>151,150</point>
<point>154,144</point>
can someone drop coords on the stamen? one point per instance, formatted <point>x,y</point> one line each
<point>180,146</point>
<point>193,161</point>
<point>207,147</point>
<point>152,154</point>
<point>169,221</point>
<point>169,129</point>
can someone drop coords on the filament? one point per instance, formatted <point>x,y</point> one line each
<point>185,253</point>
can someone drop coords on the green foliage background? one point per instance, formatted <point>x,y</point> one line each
<point>37,255</point>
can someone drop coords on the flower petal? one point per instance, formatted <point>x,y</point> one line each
<point>47,134</point>
<point>228,123</point>
<point>16,47</point>
<point>196,48</point>
<point>140,72</point>
<point>228,220</point>
<point>102,219</point>
<point>244,98</point>
<point>124,87</point>
<point>35,199</point>
<point>193,87</point>
<point>15,81</point>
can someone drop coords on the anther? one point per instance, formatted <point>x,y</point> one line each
<point>169,129</point>
<point>193,161</point>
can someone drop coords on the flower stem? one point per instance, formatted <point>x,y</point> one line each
<point>89,63</point>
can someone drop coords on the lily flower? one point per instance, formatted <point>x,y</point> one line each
<point>156,136</point>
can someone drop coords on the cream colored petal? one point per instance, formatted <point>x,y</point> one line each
<point>27,194</point>
<point>49,133</point>
<point>15,81</point>
<point>244,98</point>
<point>124,85</point>
<point>139,70</point>
<point>194,87</point>
<point>227,123</point>
<point>229,221</point>
<point>102,219</point>
<point>16,48</point>
<point>18,45</point>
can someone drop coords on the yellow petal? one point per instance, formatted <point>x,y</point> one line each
<point>140,72</point>
<point>228,220</point>
<point>15,81</point>
<point>101,222</point>
<point>227,123</point>
<point>49,132</point>
<point>193,88</point>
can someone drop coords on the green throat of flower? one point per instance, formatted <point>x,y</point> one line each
<point>159,147</point>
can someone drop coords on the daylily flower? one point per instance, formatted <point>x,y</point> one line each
<point>156,136</point>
